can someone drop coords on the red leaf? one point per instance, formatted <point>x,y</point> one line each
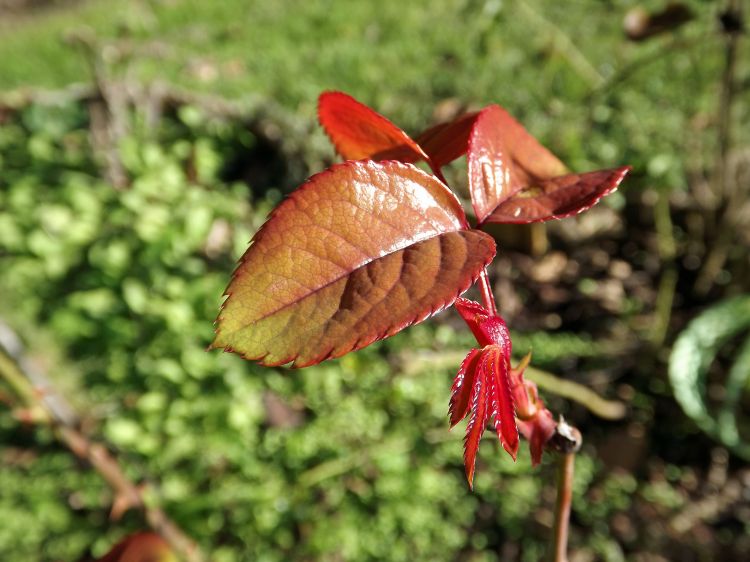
<point>359,132</point>
<point>497,364</point>
<point>483,386</point>
<point>462,387</point>
<point>487,329</point>
<point>140,547</point>
<point>445,142</point>
<point>355,255</point>
<point>514,179</point>
<point>559,197</point>
<point>477,424</point>
<point>538,431</point>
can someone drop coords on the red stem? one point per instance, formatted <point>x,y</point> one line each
<point>437,171</point>
<point>488,298</point>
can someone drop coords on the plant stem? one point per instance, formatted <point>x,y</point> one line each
<point>567,441</point>
<point>127,494</point>
<point>728,195</point>
<point>488,298</point>
<point>438,172</point>
<point>563,45</point>
<point>668,282</point>
<point>565,472</point>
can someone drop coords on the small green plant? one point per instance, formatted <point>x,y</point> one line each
<point>693,353</point>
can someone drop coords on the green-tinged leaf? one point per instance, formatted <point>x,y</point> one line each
<point>736,383</point>
<point>355,255</point>
<point>693,353</point>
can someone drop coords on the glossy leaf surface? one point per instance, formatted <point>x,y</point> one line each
<point>514,179</point>
<point>462,389</point>
<point>359,132</point>
<point>477,421</point>
<point>501,400</point>
<point>356,254</point>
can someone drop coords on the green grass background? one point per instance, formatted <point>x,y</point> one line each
<point>115,292</point>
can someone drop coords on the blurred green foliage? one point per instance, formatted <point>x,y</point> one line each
<point>565,69</point>
<point>349,460</point>
<point>257,464</point>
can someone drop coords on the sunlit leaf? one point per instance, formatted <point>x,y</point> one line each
<point>501,400</point>
<point>359,132</point>
<point>445,142</point>
<point>355,255</point>
<point>462,388</point>
<point>514,179</point>
<point>477,423</point>
<point>140,547</point>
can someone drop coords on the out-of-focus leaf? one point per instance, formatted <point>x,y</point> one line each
<point>693,353</point>
<point>736,383</point>
<point>514,179</point>
<point>359,132</point>
<point>140,547</point>
<point>355,255</point>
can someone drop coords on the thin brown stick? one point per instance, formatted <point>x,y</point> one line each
<point>565,471</point>
<point>567,441</point>
<point>563,45</point>
<point>127,494</point>
<point>720,182</point>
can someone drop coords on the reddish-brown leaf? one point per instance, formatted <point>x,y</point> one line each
<point>445,142</point>
<point>477,423</point>
<point>557,198</point>
<point>140,547</point>
<point>514,179</point>
<point>355,255</point>
<point>359,132</point>
<point>462,387</point>
<point>501,399</point>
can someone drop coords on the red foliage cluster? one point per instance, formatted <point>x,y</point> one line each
<point>373,245</point>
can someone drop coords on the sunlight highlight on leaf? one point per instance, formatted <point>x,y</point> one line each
<point>514,179</point>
